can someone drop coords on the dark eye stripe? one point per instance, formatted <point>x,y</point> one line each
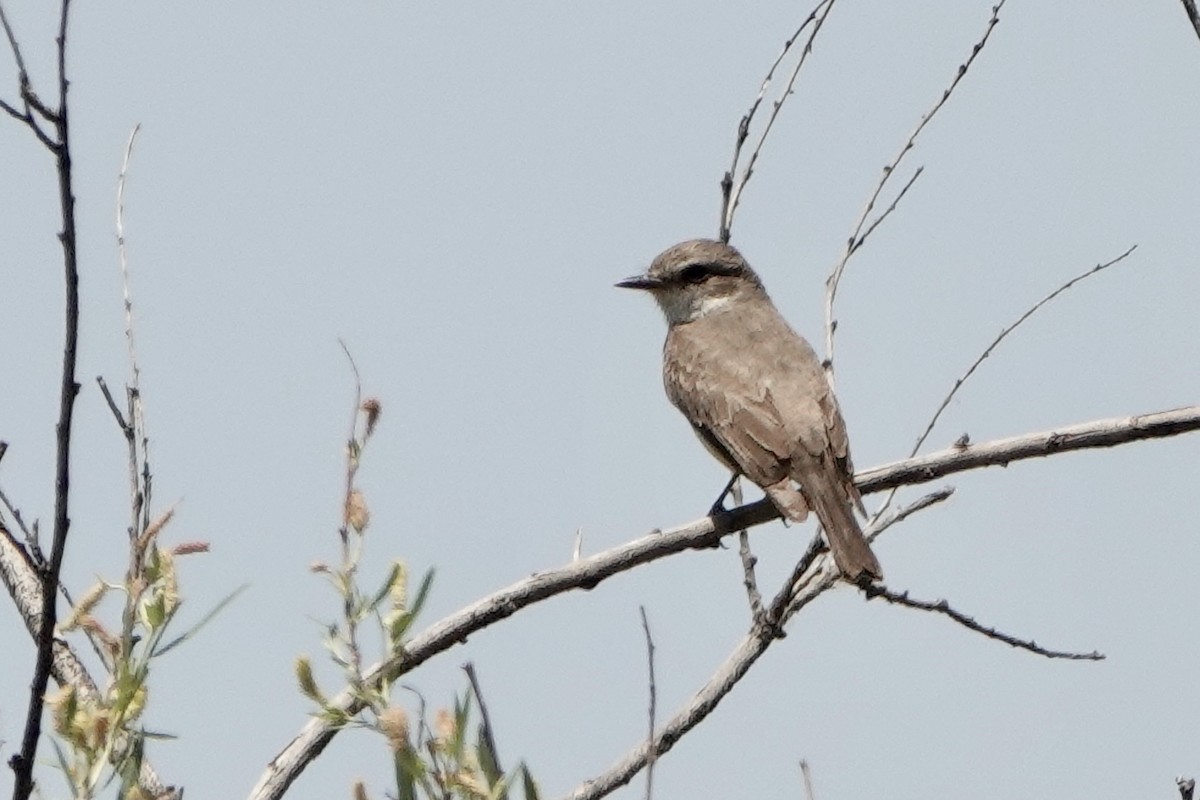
<point>698,273</point>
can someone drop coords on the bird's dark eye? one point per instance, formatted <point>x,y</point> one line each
<point>696,273</point>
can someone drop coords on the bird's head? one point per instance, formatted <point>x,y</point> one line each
<point>696,278</point>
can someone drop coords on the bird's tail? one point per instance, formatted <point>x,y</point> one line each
<point>850,550</point>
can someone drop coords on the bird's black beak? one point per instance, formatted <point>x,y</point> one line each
<point>639,282</point>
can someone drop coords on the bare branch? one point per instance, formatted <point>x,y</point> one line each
<point>733,184</point>
<point>806,774</point>
<point>987,352</point>
<point>763,632</point>
<point>68,389</point>
<point>858,236</point>
<point>944,607</point>
<point>1004,333</point>
<point>1001,452</point>
<point>15,513</point>
<point>1189,6</point>
<point>749,560</point>
<point>705,533</point>
<point>651,753</point>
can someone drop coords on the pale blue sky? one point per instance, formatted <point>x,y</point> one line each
<point>453,189</point>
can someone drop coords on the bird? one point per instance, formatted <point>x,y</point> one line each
<point>755,392</point>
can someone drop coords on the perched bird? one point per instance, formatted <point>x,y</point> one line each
<point>755,393</point>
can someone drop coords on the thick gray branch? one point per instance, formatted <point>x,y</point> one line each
<point>702,533</point>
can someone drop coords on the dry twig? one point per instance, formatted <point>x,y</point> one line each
<point>651,753</point>
<point>864,227</point>
<point>733,184</point>
<point>944,607</point>
<point>1189,6</point>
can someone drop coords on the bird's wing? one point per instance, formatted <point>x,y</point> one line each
<point>803,399</point>
<point>742,430</point>
<point>839,447</point>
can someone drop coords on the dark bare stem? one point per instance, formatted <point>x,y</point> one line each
<point>1189,6</point>
<point>29,98</point>
<point>68,389</point>
<point>944,607</point>
<point>125,427</point>
<point>15,513</point>
<point>858,236</point>
<point>651,753</point>
<point>806,774</point>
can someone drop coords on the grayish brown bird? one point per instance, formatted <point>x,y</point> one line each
<point>755,393</point>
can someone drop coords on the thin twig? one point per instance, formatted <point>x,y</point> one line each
<point>125,427</point>
<point>15,513</point>
<point>733,184</point>
<point>1189,6</point>
<point>1004,333</point>
<point>858,236</point>
<point>806,774</point>
<point>651,753</point>
<point>987,352</point>
<point>28,97</point>
<point>703,533</point>
<point>944,607</point>
<point>749,560</point>
<point>136,432</point>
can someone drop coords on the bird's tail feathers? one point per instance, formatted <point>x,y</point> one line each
<point>849,546</point>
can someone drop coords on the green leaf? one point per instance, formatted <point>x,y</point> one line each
<point>531,790</point>
<point>386,589</point>
<point>217,609</point>
<point>422,592</point>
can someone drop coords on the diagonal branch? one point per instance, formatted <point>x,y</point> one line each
<point>733,184</point>
<point>970,623</point>
<point>794,595</point>
<point>21,580</point>
<point>864,228</point>
<point>1189,6</point>
<point>699,534</point>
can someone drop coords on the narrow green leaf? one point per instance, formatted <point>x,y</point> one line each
<point>217,609</point>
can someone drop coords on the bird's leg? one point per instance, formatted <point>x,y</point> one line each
<point>719,506</point>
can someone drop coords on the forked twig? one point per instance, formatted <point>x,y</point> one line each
<point>958,383</point>
<point>1004,333</point>
<point>763,632</point>
<point>732,183</point>
<point>864,227</point>
<point>944,607</point>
